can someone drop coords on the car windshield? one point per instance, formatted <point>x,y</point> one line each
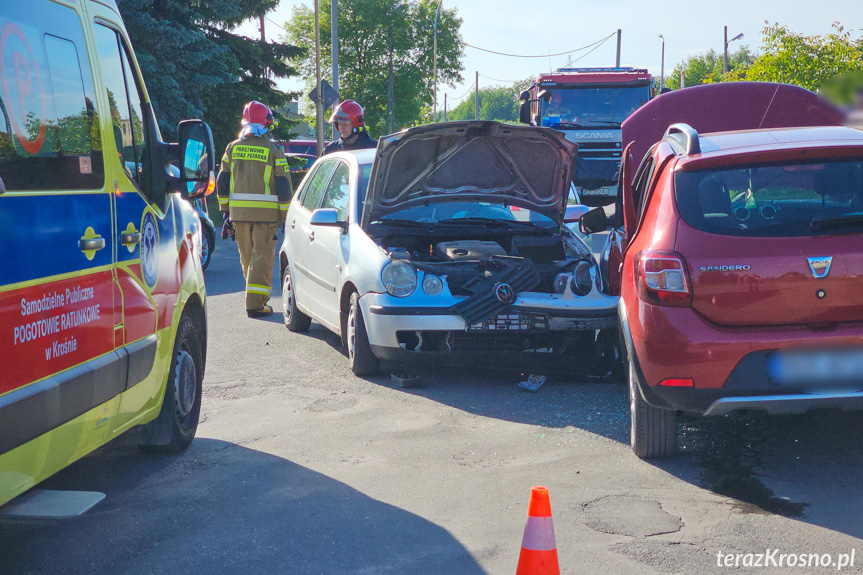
<point>572,108</point>
<point>470,212</point>
<point>790,199</point>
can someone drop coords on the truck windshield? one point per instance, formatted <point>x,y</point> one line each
<point>572,108</point>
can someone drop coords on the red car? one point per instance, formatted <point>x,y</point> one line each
<point>740,283</point>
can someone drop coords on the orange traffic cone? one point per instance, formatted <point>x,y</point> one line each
<point>538,549</point>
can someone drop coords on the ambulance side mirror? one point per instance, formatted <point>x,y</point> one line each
<point>196,158</point>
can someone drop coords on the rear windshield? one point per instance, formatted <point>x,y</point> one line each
<point>777,200</point>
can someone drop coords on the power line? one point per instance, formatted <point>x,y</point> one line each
<point>499,80</point>
<point>540,55</point>
<point>469,90</point>
<point>276,24</point>
<point>597,46</point>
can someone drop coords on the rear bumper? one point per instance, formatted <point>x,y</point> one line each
<point>734,365</point>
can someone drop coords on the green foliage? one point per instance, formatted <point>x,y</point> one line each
<point>807,61</point>
<point>194,67</point>
<point>372,33</point>
<point>707,68</point>
<point>495,103</point>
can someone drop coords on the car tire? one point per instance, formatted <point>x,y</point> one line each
<point>208,243</point>
<point>295,320</point>
<point>183,390</point>
<point>653,431</point>
<point>363,360</point>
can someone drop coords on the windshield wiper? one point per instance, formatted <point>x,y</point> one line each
<point>846,221</point>
<point>402,223</point>
<point>611,123</point>
<point>481,220</point>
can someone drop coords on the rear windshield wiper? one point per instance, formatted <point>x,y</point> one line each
<point>837,222</point>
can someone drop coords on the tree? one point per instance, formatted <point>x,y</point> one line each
<point>495,103</point>
<point>807,61</point>
<point>706,68</point>
<point>194,67</point>
<point>376,36</point>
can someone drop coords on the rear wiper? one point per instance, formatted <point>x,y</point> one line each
<point>846,221</point>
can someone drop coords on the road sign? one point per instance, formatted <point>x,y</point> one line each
<point>330,95</point>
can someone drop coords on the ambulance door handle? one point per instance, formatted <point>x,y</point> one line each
<point>92,244</point>
<point>130,239</point>
<point>293,224</point>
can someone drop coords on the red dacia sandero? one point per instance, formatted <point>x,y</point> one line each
<point>742,278</point>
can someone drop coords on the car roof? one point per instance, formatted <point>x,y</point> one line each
<point>713,147</point>
<point>362,157</point>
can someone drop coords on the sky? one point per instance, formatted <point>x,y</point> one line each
<point>554,26</point>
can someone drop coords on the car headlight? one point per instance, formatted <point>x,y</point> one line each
<point>400,278</point>
<point>561,281</point>
<point>432,285</point>
<point>581,283</point>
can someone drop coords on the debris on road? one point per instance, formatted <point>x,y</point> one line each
<point>405,380</point>
<point>533,383</point>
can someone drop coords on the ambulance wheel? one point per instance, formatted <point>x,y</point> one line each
<point>182,403</point>
<point>208,242</point>
<point>363,360</point>
<point>295,320</point>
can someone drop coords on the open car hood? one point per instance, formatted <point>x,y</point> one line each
<point>480,161</point>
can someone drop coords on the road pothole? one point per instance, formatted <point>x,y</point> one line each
<point>628,515</point>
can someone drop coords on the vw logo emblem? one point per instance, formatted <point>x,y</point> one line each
<point>504,293</point>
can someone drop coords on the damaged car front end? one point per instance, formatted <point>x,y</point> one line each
<point>481,268</point>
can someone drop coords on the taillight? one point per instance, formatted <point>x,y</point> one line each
<point>662,279</point>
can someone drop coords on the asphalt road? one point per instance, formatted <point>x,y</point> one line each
<point>299,467</point>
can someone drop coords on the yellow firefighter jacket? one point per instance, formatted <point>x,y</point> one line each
<point>255,165</point>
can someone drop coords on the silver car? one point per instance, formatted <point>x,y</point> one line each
<point>445,244</point>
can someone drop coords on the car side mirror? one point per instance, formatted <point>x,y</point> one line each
<point>525,95</point>
<point>524,112</point>
<point>593,222</point>
<point>574,213</point>
<point>197,159</point>
<point>328,217</point>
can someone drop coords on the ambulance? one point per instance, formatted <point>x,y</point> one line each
<point>103,326</point>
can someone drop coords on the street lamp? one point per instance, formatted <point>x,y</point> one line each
<point>435,58</point>
<point>727,42</point>
<point>662,69</point>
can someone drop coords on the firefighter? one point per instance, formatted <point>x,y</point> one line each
<point>254,191</point>
<point>349,121</point>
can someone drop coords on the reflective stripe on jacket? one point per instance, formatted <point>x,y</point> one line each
<point>254,164</point>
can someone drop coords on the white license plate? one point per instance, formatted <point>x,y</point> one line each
<point>817,368</point>
<point>596,192</point>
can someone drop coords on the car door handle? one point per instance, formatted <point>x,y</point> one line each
<point>94,244</point>
<point>293,224</point>
<point>130,239</point>
<point>312,236</point>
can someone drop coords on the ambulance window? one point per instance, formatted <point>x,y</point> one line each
<point>124,102</point>
<point>49,137</point>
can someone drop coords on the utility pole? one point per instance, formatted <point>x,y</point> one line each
<point>391,116</point>
<point>476,98</point>
<point>334,19</point>
<point>319,104</point>
<point>725,52</point>
<point>261,20</point>
<point>617,62</point>
<point>435,59</point>
<point>444,107</point>
<point>662,67</point>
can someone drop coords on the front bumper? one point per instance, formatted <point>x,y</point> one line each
<point>395,325</point>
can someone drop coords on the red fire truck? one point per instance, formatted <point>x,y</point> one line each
<point>589,105</point>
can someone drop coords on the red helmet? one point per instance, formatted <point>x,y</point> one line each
<point>350,112</point>
<point>257,113</point>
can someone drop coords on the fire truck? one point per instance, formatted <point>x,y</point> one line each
<point>589,105</point>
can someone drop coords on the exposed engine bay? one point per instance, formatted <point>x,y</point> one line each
<point>526,261</point>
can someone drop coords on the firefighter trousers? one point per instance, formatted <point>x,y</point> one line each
<point>257,244</point>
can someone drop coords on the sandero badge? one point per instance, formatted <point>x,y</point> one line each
<point>820,266</point>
